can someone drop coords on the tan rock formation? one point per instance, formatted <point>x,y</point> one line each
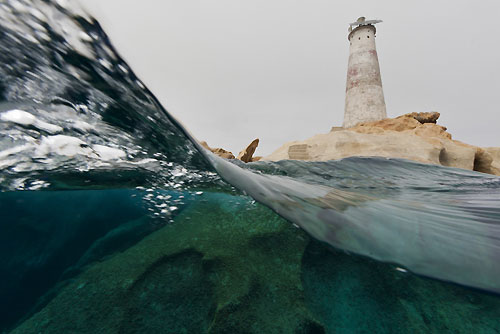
<point>414,136</point>
<point>406,122</point>
<point>218,151</point>
<point>341,144</point>
<point>223,153</point>
<point>494,153</point>
<point>424,117</point>
<point>205,145</point>
<point>247,153</point>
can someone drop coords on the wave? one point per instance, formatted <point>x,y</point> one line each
<point>74,115</point>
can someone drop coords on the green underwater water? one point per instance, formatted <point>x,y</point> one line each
<point>184,251</point>
<point>227,265</point>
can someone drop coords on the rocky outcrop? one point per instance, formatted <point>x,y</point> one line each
<point>424,117</point>
<point>223,153</point>
<point>414,136</point>
<point>247,153</point>
<point>494,153</point>
<point>218,151</point>
<point>424,123</point>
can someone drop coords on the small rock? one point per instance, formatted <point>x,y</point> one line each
<point>218,151</point>
<point>424,117</point>
<point>223,153</point>
<point>247,153</point>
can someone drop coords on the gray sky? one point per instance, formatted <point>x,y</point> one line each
<point>232,71</point>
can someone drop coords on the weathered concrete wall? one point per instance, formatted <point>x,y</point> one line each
<point>364,100</point>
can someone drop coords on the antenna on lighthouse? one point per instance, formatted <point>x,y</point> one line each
<point>361,21</point>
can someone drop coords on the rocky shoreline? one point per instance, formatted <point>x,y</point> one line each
<point>414,136</point>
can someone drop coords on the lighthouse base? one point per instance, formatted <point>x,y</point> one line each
<point>364,104</point>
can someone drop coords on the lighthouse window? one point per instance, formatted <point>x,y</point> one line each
<point>359,38</point>
<point>367,36</point>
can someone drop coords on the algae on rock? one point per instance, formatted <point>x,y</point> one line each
<point>227,265</point>
<point>215,270</point>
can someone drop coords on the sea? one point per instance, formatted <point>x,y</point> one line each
<point>113,218</point>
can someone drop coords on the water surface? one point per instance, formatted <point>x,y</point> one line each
<point>114,219</point>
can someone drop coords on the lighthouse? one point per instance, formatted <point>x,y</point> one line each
<point>364,99</point>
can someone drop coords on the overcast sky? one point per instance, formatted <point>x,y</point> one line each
<point>232,71</point>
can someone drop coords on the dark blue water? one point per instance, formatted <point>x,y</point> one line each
<point>114,219</point>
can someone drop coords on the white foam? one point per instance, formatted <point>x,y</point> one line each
<point>14,150</point>
<point>106,64</point>
<point>84,37</point>
<point>123,69</point>
<point>4,163</point>
<point>82,126</point>
<point>39,184</point>
<point>24,118</point>
<point>17,5</point>
<point>144,161</point>
<point>108,153</point>
<point>68,27</point>
<point>63,145</point>
<point>18,116</point>
<point>38,14</point>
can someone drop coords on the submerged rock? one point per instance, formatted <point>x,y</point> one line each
<point>215,270</point>
<point>227,265</point>
<point>412,136</point>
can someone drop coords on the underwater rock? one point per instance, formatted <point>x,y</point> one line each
<point>38,247</point>
<point>357,295</point>
<point>227,265</point>
<point>247,153</point>
<point>413,136</point>
<point>215,270</point>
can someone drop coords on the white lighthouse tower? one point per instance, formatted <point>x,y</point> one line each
<point>364,99</point>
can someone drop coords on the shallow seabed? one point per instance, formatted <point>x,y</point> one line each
<point>225,265</point>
